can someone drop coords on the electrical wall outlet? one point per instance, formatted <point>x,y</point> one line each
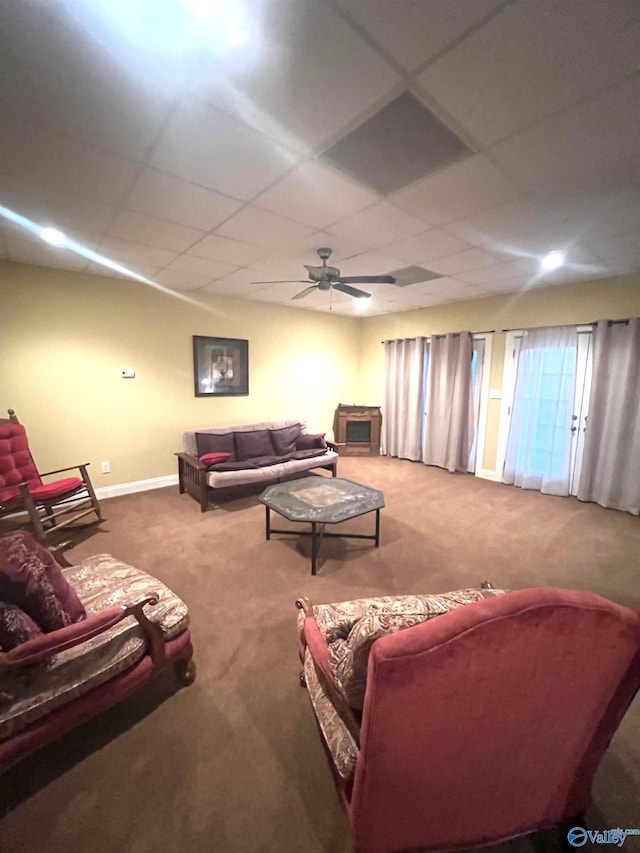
<point>105,467</point>
<point>128,373</point>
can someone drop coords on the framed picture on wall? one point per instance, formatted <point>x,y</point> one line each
<point>220,366</point>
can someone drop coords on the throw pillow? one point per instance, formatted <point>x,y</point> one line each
<point>213,458</point>
<point>209,442</point>
<point>309,441</point>
<point>253,443</point>
<point>284,440</point>
<point>16,627</point>
<point>31,579</point>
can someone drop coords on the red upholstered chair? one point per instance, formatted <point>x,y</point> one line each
<point>51,505</point>
<point>477,726</point>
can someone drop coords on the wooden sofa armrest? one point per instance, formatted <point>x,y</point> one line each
<point>193,461</point>
<point>192,478</point>
<point>44,646</point>
<point>319,651</point>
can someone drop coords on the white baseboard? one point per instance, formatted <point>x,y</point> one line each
<point>137,486</point>
<point>488,474</point>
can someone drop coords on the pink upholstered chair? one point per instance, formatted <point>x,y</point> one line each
<point>482,724</point>
<point>51,505</point>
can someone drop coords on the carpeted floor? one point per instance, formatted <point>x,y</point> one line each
<point>234,762</point>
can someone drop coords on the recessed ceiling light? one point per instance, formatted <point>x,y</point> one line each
<point>552,261</point>
<point>53,236</point>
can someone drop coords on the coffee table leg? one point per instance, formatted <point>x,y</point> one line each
<point>268,523</point>
<point>377,528</point>
<point>314,546</point>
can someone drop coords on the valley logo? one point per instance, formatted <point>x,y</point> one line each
<point>578,836</point>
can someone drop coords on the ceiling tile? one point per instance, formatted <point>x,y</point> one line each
<point>175,200</point>
<point>263,228</point>
<point>211,149</point>
<point>129,253</point>
<point>460,190</point>
<point>205,267</point>
<point>471,259</point>
<point>153,232</point>
<point>591,148</point>
<point>228,251</point>
<point>624,264</point>
<point>417,30</point>
<point>31,250</point>
<point>316,195</point>
<point>230,287</point>
<point>181,280</point>
<point>313,75</point>
<point>140,269</point>
<point>503,224</point>
<point>494,88</point>
<point>610,249</point>
<point>49,162</point>
<point>377,225</point>
<point>451,289</point>
<point>433,243</point>
<point>53,209</point>
<point>371,263</point>
<point>53,72</point>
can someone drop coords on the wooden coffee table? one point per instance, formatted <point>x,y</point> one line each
<point>320,501</point>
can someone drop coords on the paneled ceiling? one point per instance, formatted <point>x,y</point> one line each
<point>185,141</point>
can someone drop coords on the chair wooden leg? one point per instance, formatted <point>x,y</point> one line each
<point>185,666</point>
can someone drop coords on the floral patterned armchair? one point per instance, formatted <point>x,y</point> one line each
<point>458,720</point>
<point>75,640</point>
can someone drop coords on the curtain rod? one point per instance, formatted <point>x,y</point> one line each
<point>483,332</point>
<point>591,323</point>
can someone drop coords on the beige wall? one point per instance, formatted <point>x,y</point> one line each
<point>575,303</point>
<point>66,336</point>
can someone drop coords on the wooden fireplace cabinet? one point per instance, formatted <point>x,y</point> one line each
<point>357,430</point>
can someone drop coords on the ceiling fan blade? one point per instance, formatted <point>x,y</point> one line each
<point>350,291</point>
<point>367,279</point>
<point>306,291</point>
<point>283,281</point>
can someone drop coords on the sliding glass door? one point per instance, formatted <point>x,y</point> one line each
<point>545,408</point>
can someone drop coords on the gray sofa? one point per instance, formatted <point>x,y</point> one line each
<point>215,458</point>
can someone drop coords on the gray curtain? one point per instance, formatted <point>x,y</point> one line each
<point>449,420</point>
<point>403,412</point>
<point>611,464</point>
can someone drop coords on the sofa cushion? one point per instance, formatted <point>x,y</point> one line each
<point>209,442</point>
<point>233,465</point>
<point>32,579</point>
<point>309,454</point>
<point>16,626</point>
<point>284,440</point>
<point>253,443</point>
<point>265,461</point>
<point>309,441</point>
<point>214,458</point>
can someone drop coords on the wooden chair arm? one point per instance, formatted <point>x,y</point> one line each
<point>191,460</point>
<point>62,470</point>
<point>44,646</point>
<point>319,651</point>
<point>57,552</point>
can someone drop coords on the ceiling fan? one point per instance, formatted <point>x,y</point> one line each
<point>327,278</point>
